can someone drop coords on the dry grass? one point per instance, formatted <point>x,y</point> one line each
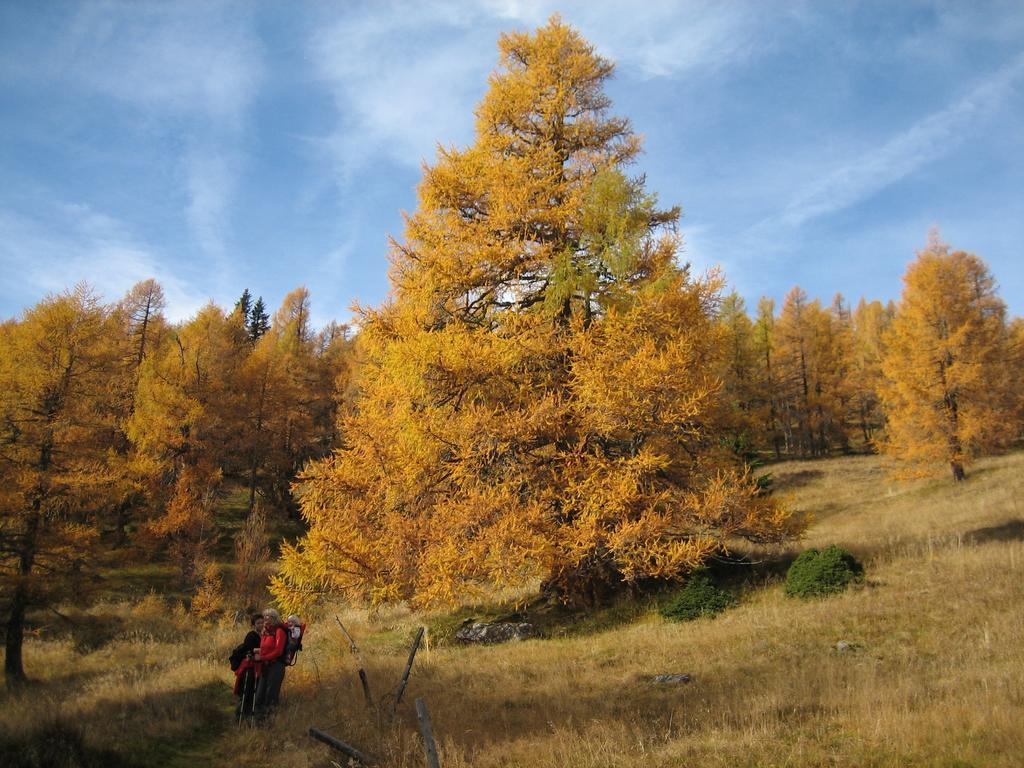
<point>936,676</point>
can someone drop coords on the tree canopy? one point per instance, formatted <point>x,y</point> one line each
<point>540,395</point>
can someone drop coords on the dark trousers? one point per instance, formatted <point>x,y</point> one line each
<point>247,700</point>
<point>268,689</point>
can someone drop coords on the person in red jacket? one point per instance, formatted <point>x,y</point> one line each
<point>270,660</point>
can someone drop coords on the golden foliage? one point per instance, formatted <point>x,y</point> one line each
<point>946,389</point>
<point>57,428</point>
<point>209,598</point>
<point>540,395</point>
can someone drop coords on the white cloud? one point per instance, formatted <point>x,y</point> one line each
<point>210,174</point>
<point>68,243</point>
<point>927,140</point>
<point>407,77</point>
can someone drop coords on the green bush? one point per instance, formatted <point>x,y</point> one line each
<point>818,572</point>
<point>700,597</point>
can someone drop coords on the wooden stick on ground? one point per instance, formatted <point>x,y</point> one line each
<point>427,731</point>
<point>408,669</point>
<point>354,650</point>
<point>342,747</point>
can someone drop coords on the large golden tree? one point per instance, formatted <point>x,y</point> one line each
<point>946,391</point>
<point>57,433</point>
<point>539,395</point>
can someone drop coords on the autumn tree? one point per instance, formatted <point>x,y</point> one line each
<point>870,321</point>
<point>946,390</point>
<point>834,361</point>
<point>538,396</point>
<point>138,327</point>
<point>766,348</point>
<point>185,423</point>
<point>142,309</point>
<point>796,371</point>
<point>56,432</point>
<point>812,369</point>
<point>1016,359</point>
<point>288,385</point>
<point>744,386</point>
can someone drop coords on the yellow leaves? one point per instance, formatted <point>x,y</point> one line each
<point>947,388</point>
<point>539,395</point>
<point>626,378</point>
<point>209,598</point>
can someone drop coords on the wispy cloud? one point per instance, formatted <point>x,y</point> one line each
<point>396,100</point>
<point>66,243</point>
<point>187,72</point>
<point>924,142</point>
<point>191,58</point>
<point>210,173</point>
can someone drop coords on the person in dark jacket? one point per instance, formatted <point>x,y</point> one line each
<point>270,658</point>
<point>244,662</point>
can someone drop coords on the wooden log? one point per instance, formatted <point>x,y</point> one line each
<point>408,668</point>
<point>342,747</point>
<point>354,650</point>
<point>427,731</point>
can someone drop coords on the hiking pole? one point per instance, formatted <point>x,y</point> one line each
<point>354,650</point>
<point>246,680</point>
<point>408,669</point>
<point>251,672</point>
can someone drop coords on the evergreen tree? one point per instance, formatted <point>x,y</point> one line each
<point>244,305</point>
<point>259,321</point>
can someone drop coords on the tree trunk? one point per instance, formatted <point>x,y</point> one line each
<point>14,670</point>
<point>121,519</point>
<point>958,471</point>
<point>588,585</point>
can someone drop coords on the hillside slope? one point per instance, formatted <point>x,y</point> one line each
<point>934,675</point>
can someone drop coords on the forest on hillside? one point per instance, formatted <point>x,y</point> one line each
<point>548,395</point>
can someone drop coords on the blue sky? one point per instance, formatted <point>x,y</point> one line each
<point>218,146</point>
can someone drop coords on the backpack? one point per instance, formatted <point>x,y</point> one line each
<point>238,655</point>
<point>293,642</point>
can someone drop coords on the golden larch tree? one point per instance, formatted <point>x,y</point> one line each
<point>185,427</point>
<point>744,379</point>
<point>538,395</point>
<point>287,388</point>
<point>57,430</point>
<point>766,348</point>
<point>946,392</point>
<point>870,321</point>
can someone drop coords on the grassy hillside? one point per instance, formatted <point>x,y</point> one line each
<point>934,676</point>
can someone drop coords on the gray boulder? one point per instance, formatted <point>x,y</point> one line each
<point>497,632</point>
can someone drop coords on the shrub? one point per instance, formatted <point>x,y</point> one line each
<point>700,597</point>
<point>822,572</point>
<point>209,598</point>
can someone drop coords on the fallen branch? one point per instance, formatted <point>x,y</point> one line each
<point>342,747</point>
<point>408,668</point>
